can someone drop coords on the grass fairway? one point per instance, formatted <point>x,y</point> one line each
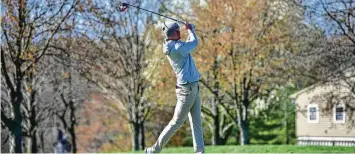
<point>264,149</point>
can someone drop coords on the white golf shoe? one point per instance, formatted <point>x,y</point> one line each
<point>148,150</point>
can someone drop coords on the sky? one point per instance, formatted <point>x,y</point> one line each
<point>316,15</point>
<point>153,5</point>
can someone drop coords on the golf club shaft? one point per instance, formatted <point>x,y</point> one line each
<point>156,13</point>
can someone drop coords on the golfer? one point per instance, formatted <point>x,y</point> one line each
<point>187,87</point>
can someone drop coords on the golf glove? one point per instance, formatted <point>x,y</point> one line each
<point>189,26</point>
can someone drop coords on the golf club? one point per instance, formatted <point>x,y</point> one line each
<point>124,6</point>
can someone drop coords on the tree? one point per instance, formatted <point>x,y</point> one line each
<point>250,38</point>
<point>102,127</point>
<point>117,62</point>
<point>273,121</point>
<point>329,59</point>
<point>209,57</point>
<point>38,105</point>
<point>28,29</point>
<point>72,90</point>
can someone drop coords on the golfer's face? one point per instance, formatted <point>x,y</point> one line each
<point>177,33</point>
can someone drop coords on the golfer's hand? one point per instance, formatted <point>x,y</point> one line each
<point>189,26</point>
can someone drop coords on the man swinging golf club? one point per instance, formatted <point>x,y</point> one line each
<point>187,87</point>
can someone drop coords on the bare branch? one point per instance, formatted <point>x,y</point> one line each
<point>56,30</point>
<point>5,73</point>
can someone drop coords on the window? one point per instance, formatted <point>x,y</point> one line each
<point>313,113</point>
<point>339,113</point>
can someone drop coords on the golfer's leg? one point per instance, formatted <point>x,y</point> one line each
<point>182,109</point>
<point>196,125</point>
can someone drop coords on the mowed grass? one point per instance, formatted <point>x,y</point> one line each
<point>264,149</point>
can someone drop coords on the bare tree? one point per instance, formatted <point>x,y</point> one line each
<point>117,61</point>
<point>38,105</point>
<point>28,29</point>
<point>73,93</point>
<point>329,58</point>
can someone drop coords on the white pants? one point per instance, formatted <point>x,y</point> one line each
<point>188,104</point>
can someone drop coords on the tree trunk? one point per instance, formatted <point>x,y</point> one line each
<point>216,138</point>
<point>17,132</point>
<point>244,132</point>
<point>34,142</point>
<point>237,138</point>
<point>243,124</point>
<point>142,136</point>
<point>135,136</point>
<point>73,139</point>
<point>33,125</point>
<point>243,116</point>
<point>18,139</point>
<point>216,127</point>
<point>42,142</point>
<point>286,124</point>
<point>28,144</point>
<point>11,144</point>
<point>72,126</point>
<point>224,138</point>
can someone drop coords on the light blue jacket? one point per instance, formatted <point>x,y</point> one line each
<point>179,56</point>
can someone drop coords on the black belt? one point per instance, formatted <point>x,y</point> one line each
<point>179,86</point>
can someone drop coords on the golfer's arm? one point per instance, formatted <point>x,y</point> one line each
<point>191,43</point>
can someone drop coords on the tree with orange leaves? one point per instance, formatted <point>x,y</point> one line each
<point>242,41</point>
